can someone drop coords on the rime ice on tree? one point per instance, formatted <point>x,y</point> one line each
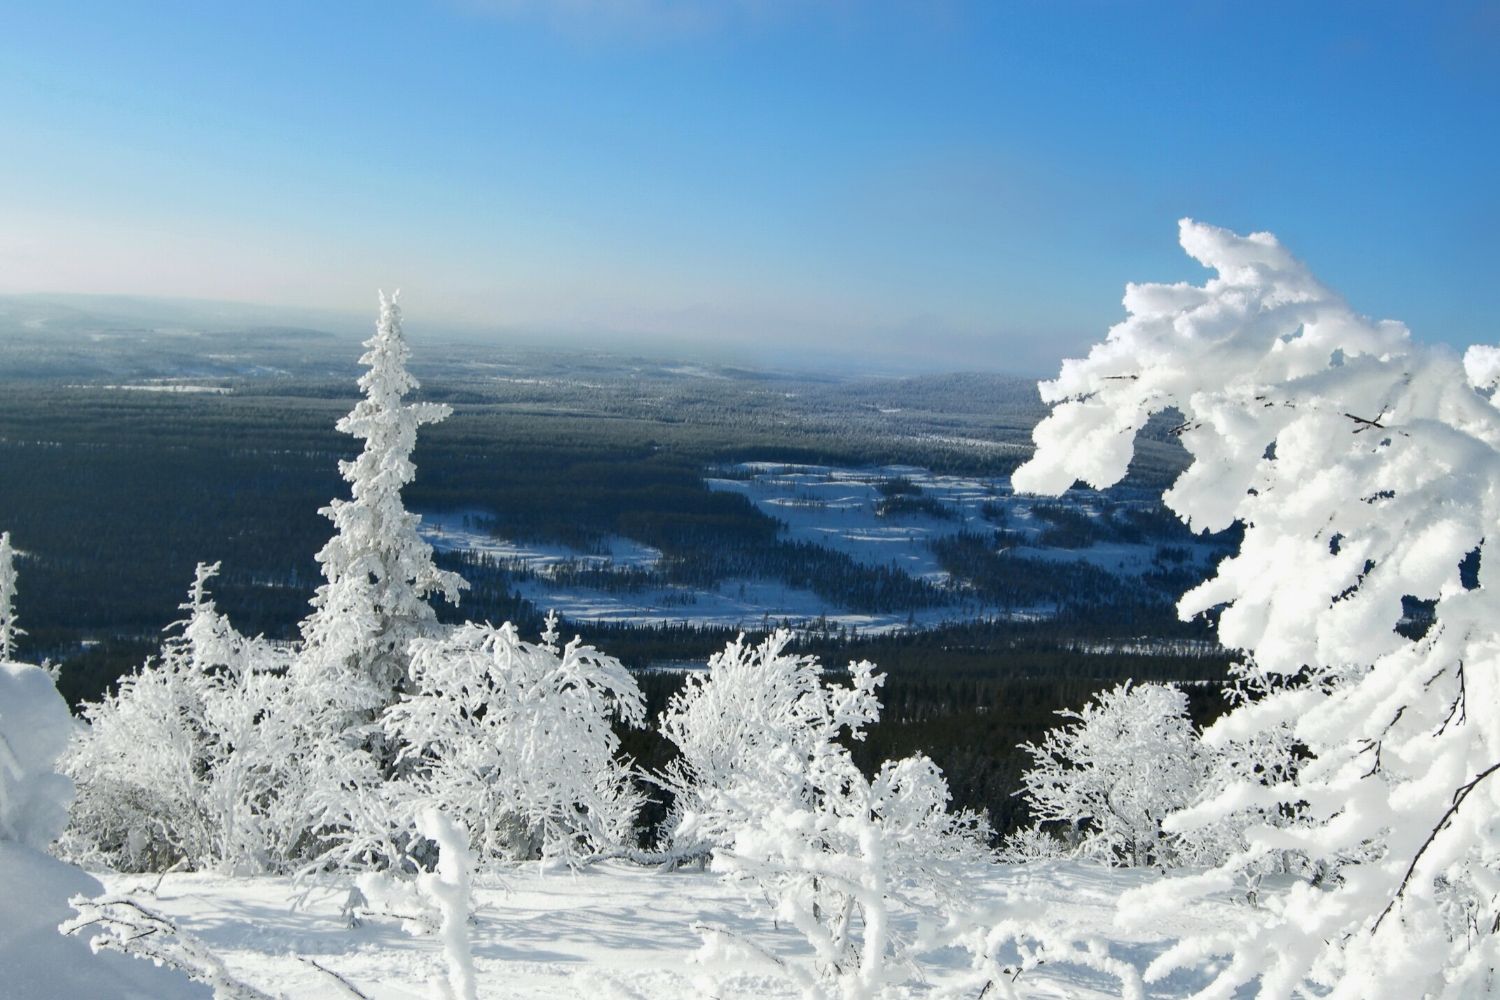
<point>1125,762</point>
<point>8,629</point>
<point>1366,471</point>
<point>379,571</point>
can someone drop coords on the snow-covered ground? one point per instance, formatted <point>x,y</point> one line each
<point>838,508</point>
<point>748,603</point>
<point>613,932</point>
<point>460,531</point>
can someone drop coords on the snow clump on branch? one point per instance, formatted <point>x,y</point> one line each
<point>1365,469</point>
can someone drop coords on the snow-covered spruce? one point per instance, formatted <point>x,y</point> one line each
<point>354,658</point>
<point>378,571</point>
<point>1128,759</point>
<point>1365,469</point>
<point>765,784</point>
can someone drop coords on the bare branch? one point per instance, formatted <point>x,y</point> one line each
<point>1458,800</point>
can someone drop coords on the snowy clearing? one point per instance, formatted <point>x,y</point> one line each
<point>461,531</point>
<point>614,931</point>
<point>885,516</point>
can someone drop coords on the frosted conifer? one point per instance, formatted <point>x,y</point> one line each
<point>8,629</point>
<point>1365,469</point>
<point>379,571</point>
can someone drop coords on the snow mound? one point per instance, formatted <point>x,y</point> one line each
<point>34,730</point>
<point>38,963</point>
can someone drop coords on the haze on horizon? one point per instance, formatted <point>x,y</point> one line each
<point>913,184</point>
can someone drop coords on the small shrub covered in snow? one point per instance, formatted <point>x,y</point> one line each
<point>172,768</point>
<point>516,741</point>
<point>766,784</point>
<point>1128,759</point>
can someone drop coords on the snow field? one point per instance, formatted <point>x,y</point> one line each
<point>620,932</point>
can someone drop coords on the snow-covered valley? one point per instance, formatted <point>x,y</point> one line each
<point>886,517</point>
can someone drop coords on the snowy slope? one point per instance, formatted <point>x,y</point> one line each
<point>36,962</point>
<point>614,931</point>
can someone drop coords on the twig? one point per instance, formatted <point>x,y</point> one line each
<point>1458,800</point>
<point>1367,424</point>
<point>162,877</point>
<point>1460,703</point>
<point>348,986</point>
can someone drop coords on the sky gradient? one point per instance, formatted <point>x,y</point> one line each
<point>928,184</point>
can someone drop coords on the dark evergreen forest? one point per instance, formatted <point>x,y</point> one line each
<point>113,496</point>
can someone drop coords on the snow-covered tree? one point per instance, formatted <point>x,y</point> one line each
<point>1126,760</point>
<point>754,717</point>
<point>765,783</point>
<point>1266,755</point>
<point>169,768</point>
<point>9,631</point>
<point>1365,469</point>
<point>515,740</point>
<point>354,658</point>
<point>379,572</point>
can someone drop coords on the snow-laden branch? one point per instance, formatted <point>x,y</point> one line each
<point>123,924</point>
<point>1365,469</point>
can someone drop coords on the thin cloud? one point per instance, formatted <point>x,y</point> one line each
<point>669,21</point>
<point>639,20</point>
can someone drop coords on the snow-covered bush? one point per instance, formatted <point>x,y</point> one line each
<point>1030,844</point>
<point>1365,469</point>
<point>754,711</point>
<point>9,631</point>
<point>1264,756</point>
<point>1125,762</point>
<point>169,768</point>
<point>765,783</point>
<point>515,740</point>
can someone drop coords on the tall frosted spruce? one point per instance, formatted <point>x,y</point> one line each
<point>8,629</point>
<point>379,571</point>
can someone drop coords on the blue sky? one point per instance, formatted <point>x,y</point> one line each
<point>934,184</point>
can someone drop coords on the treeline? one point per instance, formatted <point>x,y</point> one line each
<point>1067,587</point>
<point>966,696</point>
